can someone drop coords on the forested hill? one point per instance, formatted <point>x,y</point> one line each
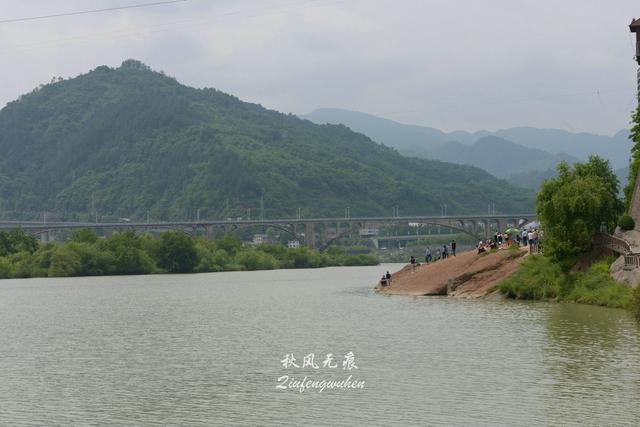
<point>129,140</point>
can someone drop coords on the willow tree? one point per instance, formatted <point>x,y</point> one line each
<point>575,205</point>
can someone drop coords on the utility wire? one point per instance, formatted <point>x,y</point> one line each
<point>84,12</point>
<point>189,24</point>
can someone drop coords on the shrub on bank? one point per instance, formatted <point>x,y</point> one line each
<point>596,287</point>
<point>635,302</point>
<point>626,223</point>
<point>540,278</point>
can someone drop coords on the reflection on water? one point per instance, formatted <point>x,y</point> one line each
<point>206,350</point>
<point>587,358</point>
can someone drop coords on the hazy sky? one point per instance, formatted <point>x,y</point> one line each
<point>450,64</point>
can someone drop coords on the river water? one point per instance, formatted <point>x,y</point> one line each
<point>207,349</point>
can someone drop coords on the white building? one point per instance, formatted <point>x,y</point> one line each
<point>293,244</point>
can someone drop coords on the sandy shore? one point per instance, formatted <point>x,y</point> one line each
<point>467,275</point>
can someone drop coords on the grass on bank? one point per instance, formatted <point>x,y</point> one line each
<point>539,278</point>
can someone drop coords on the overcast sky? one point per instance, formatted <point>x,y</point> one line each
<point>450,64</point>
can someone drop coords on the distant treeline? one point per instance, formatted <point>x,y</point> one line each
<point>85,254</point>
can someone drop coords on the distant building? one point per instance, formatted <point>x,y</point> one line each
<point>262,239</point>
<point>293,244</point>
<point>635,28</point>
<point>369,231</point>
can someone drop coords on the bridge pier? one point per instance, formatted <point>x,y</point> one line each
<point>310,235</point>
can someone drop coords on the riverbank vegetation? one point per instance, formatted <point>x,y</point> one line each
<point>85,254</point>
<point>540,278</point>
<point>576,205</point>
<point>572,208</point>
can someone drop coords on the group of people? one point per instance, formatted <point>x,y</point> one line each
<point>532,238</point>
<point>526,238</point>
<point>428,257</point>
<point>386,279</point>
<point>440,253</point>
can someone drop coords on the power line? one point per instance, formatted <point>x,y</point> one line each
<point>188,24</point>
<point>84,12</point>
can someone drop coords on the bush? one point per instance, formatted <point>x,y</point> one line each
<point>93,262</point>
<point>540,278</point>
<point>128,254</point>
<point>15,241</point>
<point>5,269</point>
<point>65,262</point>
<point>596,287</point>
<point>626,223</point>
<point>361,259</point>
<point>256,260</point>
<point>177,253</point>
<point>635,302</point>
<point>84,235</point>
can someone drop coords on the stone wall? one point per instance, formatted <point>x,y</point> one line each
<point>634,209</point>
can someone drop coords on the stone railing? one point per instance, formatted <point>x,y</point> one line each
<point>619,246</point>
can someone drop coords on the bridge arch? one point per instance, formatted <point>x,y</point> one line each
<point>290,229</point>
<point>460,227</point>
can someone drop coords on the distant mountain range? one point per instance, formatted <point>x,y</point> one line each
<point>520,150</point>
<point>497,156</point>
<point>128,141</point>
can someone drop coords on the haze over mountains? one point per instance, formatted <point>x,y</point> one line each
<point>525,154</point>
<point>127,141</point>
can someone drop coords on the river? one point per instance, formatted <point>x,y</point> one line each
<point>207,350</point>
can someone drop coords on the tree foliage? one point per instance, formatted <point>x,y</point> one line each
<point>574,206</point>
<point>626,222</point>
<point>172,252</point>
<point>176,253</point>
<point>16,241</point>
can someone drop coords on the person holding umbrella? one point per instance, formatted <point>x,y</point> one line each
<point>510,232</point>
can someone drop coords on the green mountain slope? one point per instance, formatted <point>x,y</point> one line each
<point>128,141</point>
<point>498,156</point>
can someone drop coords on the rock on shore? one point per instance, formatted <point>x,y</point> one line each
<point>467,275</point>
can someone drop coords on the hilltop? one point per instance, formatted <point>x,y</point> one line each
<point>126,141</point>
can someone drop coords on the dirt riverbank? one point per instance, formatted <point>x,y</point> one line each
<point>467,275</point>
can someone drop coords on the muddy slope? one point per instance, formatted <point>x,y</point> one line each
<point>468,275</point>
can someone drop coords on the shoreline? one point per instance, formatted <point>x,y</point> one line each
<point>467,275</point>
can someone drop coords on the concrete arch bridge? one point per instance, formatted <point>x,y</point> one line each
<point>312,231</point>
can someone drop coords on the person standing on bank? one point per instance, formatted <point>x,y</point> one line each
<point>453,247</point>
<point>413,264</point>
<point>427,255</point>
